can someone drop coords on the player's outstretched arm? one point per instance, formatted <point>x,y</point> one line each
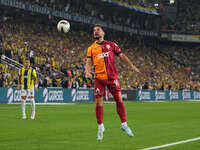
<point>88,67</point>
<point>36,83</point>
<point>35,80</point>
<point>127,61</point>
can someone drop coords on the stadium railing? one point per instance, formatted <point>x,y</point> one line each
<point>15,64</point>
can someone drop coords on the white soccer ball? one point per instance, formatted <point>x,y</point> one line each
<point>63,26</point>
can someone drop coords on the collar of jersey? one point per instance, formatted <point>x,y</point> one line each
<point>100,43</point>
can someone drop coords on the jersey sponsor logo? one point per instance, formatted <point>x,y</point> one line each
<point>106,54</point>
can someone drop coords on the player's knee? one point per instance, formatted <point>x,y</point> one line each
<point>118,97</point>
<point>120,101</point>
<point>31,97</point>
<point>99,101</point>
<point>23,97</point>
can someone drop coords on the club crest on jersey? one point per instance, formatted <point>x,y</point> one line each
<point>116,82</point>
<point>108,46</point>
<point>106,54</point>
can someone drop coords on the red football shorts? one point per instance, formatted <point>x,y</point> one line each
<point>113,85</point>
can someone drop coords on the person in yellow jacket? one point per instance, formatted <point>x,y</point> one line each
<point>27,79</point>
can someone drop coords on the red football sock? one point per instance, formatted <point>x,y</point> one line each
<point>120,107</point>
<point>99,114</point>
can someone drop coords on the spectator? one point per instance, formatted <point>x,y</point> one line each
<point>1,46</point>
<point>2,82</point>
<point>64,82</point>
<point>8,52</point>
<point>53,51</point>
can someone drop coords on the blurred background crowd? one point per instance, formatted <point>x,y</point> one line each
<point>183,17</point>
<point>100,11</point>
<point>179,15</point>
<point>60,58</point>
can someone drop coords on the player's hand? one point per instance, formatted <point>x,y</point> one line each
<point>88,75</point>
<point>138,71</point>
<point>36,89</point>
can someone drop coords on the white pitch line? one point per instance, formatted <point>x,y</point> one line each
<point>171,144</point>
<point>109,102</point>
<point>55,103</point>
<point>192,100</point>
<point>155,101</point>
<point>45,103</point>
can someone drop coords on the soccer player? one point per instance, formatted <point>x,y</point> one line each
<point>27,79</point>
<point>101,54</point>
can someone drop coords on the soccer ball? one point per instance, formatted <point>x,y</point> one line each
<point>63,26</point>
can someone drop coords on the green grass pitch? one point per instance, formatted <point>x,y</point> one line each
<point>73,127</point>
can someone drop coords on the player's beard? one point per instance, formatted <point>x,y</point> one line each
<point>97,37</point>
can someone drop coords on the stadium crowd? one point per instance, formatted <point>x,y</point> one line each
<point>184,54</point>
<point>60,58</point>
<point>188,16</point>
<point>188,19</point>
<point>137,3</point>
<point>52,54</point>
<point>117,15</point>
